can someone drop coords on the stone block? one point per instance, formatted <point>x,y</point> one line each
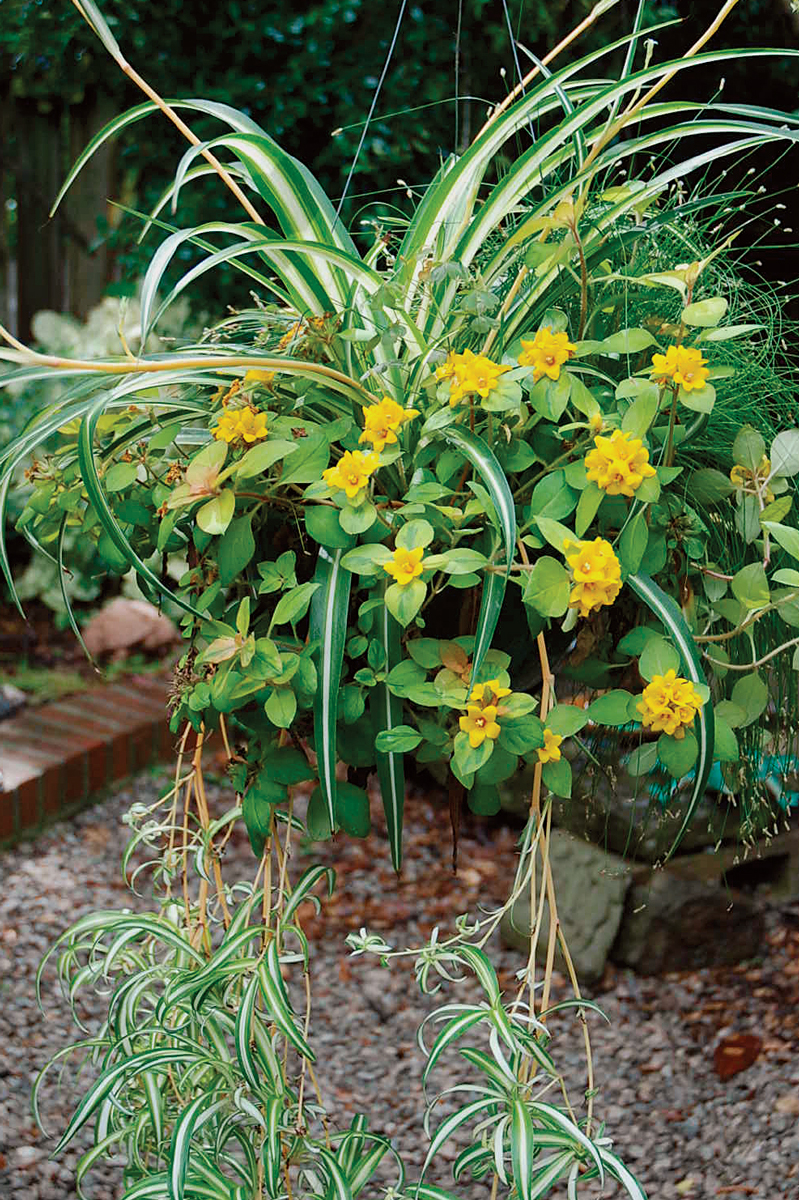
<point>590,890</point>
<point>674,923</point>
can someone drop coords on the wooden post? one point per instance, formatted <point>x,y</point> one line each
<point>40,267</point>
<point>89,271</point>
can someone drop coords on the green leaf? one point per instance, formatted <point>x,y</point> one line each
<point>750,694</point>
<point>521,735</point>
<point>404,600</point>
<point>261,458</point>
<point>385,710</point>
<point>281,707</point>
<point>358,520</point>
<point>555,533</point>
<point>398,740</point>
<point>328,629</point>
<point>750,586</point>
<point>785,536</point>
<point>726,745</point>
<point>633,543</point>
<point>627,341</point>
<point>366,560</point>
<point>293,605</point>
<point>705,313</point>
<point>120,476</point>
<point>557,776</point>
<point>610,709</point>
<point>415,534</point>
<point>470,758</point>
<point>678,755</point>
<point>587,508</point>
<point>657,657</point>
<point>641,413</point>
<point>236,549</point>
<point>317,818</point>
<point>709,486</point>
<point>643,759</point>
<point>323,525</point>
<point>547,587</point>
<point>352,810</point>
<point>308,461</point>
<point>748,449</point>
<point>425,652</point>
<point>566,719</point>
<point>215,516</point>
<point>483,799</point>
<point>784,453</point>
<point>699,400</point>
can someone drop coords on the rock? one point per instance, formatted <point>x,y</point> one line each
<point>123,624</point>
<point>590,890</point>
<point>11,700</point>
<point>672,923</point>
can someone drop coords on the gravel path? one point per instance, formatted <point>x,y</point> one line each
<point>683,1131</point>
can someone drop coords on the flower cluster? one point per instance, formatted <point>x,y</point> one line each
<point>550,751</point>
<point>351,472</point>
<point>546,353</point>
<point>240,424</point>
<point>619,464</point>
<point>405,565</point>
<point>266,378</point>
<point>681,365</point>
<point>480,721</point>
<point>381,422</point>
<point>469,374</point>
<point>597,574</point>
<point>668,704</point>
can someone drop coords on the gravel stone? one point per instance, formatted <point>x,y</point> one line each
<point>683,1131</point>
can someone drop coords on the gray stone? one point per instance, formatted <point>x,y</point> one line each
<point>590,889</point>
<point>672,923</point>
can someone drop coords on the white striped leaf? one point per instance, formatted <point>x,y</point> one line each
<point>303,887</point>
<point>666,609</point>
<point>454,1122</point>
<point>273,1111</point>
<point>244,1035</point>
<point>522,1147</point>
<point>617,1169</point>
<point>449,1034</point>
<point>386,714</point>
<point>485,462</point>
<point>328,625</point>
<point>549,1171</point>
<point>339,1184</point>
<point>555,1118</point>
<point>100,1089</point>
<point>277,1003</point>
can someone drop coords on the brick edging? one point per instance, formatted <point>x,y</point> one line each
<point>55,758</point>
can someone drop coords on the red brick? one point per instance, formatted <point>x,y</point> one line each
<point>28,806</point>
<point>130,699</point>
<point>51,791</point>
<point>57,728</point>
<point>75,779</point>
<point>92,709</point>
<point>142,746</point>
<point>152,687</point>
<point>120,757</point>
<point>98,768</point>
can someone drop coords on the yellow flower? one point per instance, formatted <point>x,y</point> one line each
<point>381,422</point>
<point>405,565</point>
<point>495,692</point>
<point>480,723</point>
<point>264,377</point>
<point>597,574</point>
<point>619,464</point>
<point>550,751</point>
<point>668,704</point>
<point>546,353</point>
<point>246,424</point>
<point>351,472</point>
<point>683,365</point>
<point>470,374</point>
